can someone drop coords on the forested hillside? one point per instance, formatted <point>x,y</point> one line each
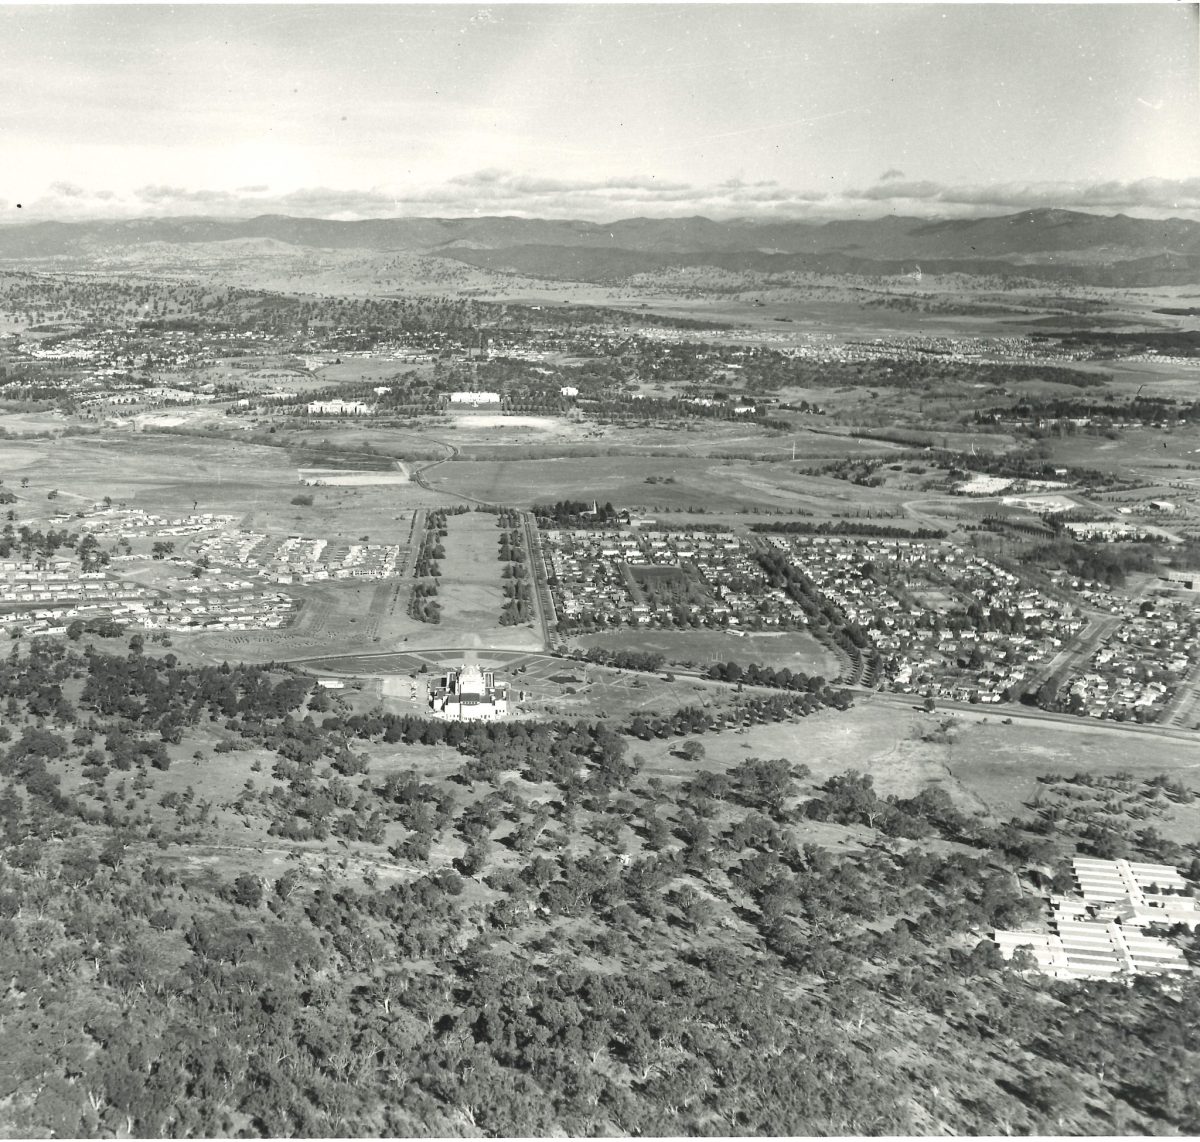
<point>518,930</point>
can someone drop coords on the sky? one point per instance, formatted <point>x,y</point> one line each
<point>598,112</point>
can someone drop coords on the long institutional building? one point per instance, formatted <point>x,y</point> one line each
<point>468,695</point>
<point>1106,931</point>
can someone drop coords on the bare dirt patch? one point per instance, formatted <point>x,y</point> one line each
<point>343,477</point>
<point>493,420</point>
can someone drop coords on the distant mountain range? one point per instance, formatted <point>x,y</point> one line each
<point>1044,244</point>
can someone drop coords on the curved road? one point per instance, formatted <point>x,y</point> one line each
<point>999,711</point>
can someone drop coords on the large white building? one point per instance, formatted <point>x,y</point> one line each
<point>338,408</point>
<point>475,398</point>
<point>469,694</point>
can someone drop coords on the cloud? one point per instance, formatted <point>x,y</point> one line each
<point>890,174</point>
<point>506,182</point>
<point>183,196</point>
<point>1156,196</point>
<point>494,191</point>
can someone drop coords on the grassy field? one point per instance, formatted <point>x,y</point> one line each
<point>30,423</point>
<point>1000,763</point>
<point>161,473</point>
<point>368,442</point>
<point>507,436</point>
<point>714,485</point>
<point>470,589</point>
<point>870,739</point>
<point>1157,455</point>
<point>984,764</point>
<point>793,649</point>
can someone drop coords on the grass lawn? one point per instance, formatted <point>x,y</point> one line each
<point>983,764</point>
<point>471,590</point>
<point>1000,764</point>
<point>696,481</point>
<point>796,650</point>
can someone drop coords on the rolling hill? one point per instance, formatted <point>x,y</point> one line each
<point>1044,244</point>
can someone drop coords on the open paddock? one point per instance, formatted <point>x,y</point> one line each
<point>616,695</point>
<point>345,617</point>
<point>1156,379</point>
<point>17,455</point>
<point>870,739</point>
<point>1142,453</point>
<point>167,419</point>
<point>984,764</point>
<point>713,486</point>
<point>47,423</point>
<point>324,442</point>
<point>797,650</point>
<point>158,472</point>
<point>353,370</point>
<point>586,437</point>
<point>1000,763</point>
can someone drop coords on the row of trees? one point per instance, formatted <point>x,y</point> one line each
<point>847,527</point>
<point>827,621</point>
<point>518,588</point>
<point>422,604</point>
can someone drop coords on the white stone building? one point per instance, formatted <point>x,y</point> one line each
<point>469,694</point>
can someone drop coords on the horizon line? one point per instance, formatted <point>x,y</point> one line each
<point>810,219</point>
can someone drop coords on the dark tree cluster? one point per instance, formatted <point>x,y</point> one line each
<point>575,514</point>
<point>848,527</point>
<point>826,620</point>
<point>1100,562</point>
<point>782,678</point>
<point>591,950</point>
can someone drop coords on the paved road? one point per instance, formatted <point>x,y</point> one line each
<point>938,523</point>
<point>415,535</point>
<point>418,654</point>
<point>543,603</point>
<point>1183,706</point>
<point>1019,712</point>
<point>1013,710</point>
<point>418,475</point>
<point>1079,649</point>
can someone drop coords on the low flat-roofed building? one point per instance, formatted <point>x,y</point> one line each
<point>1144,893</point>
<point>1104,933</point>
